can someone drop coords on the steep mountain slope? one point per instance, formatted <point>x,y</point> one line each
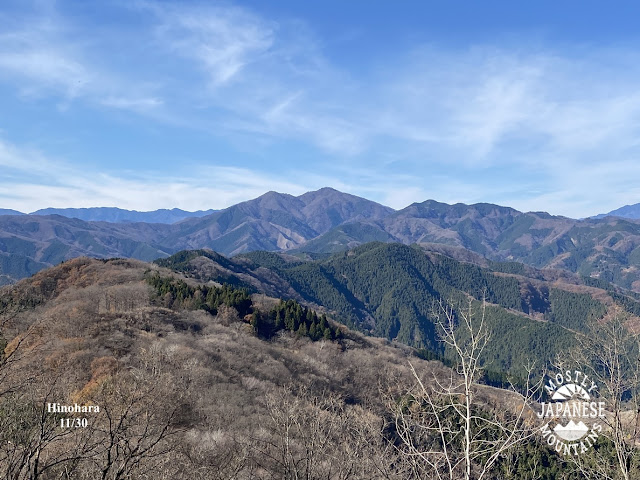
<point>29,243</point>
<point>390,290</point>
<point>117,215</point>
<point>188,394</point>
<point>605,248</point>
<point>475,227</point>
<point>274,221</point>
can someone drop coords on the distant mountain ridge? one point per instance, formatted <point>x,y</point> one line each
<point>29,243</point>
<point>8,211</point>
<point>119,215</point>
<point>328,221</point>
<point>628,211</point>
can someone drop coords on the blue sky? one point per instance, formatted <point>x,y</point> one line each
<point>160,104</point>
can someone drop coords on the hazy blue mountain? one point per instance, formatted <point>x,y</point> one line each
<point>29,243</point>
<point>119,215</point>
<point>628,211</point>
<point>8,211</point>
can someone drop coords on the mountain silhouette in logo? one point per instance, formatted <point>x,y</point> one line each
<point>571,391</point>
<point>572,431</point>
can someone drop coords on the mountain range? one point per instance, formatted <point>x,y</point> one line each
<point>163,215</point>
<point>327,221</point>
<point>628,211</point>
<point>116,215</point>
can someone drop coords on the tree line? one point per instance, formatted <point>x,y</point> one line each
<point>286,315</point>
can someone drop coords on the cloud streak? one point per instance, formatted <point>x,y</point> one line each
<point>533,127</point>
<point>31,181</point>
<point>223,40</point>
<point>44,58</point>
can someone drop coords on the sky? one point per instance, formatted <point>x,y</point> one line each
<point>143,104</point>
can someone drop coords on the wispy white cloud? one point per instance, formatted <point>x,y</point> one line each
<point>46,57</point>
<point>140,105</point>
<point>222,39</point>
<point>261,77</point>
<point>42,67</point>
<point>541,127</point>
<point>14,159</point>
<point>268,77</point>
<point>31,181</point>
<point>481,107</point>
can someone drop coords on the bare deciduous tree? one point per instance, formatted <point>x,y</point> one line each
<point>610,353</point>
<point>309,436</point>
<point>138,425</point>
<point>447,427</point>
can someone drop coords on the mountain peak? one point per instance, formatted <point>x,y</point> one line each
<point>325,192</point>
<point>433,208</point>
<point>334,195</point>
<point>271,200</point>
<point>8,211</point>
<point>628,211</point>
<point>329,189</point>
<point>273,193</point>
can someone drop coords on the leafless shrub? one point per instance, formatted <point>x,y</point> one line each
<point>444,430</point>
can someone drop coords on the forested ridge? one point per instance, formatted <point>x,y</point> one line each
<point>285,315</point>
<point>389,290</point>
